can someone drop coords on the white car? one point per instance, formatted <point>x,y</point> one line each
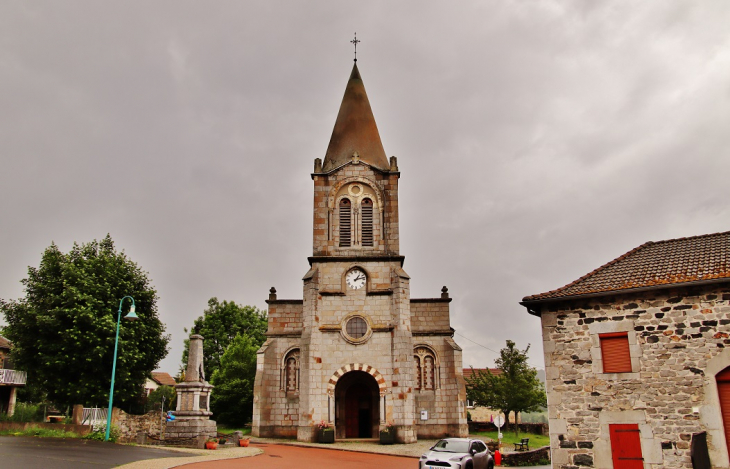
<point>457,453</point>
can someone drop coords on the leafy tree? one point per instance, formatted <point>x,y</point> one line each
<point>232,399</point>
<point>154,400</point>
<point>220,324</point>
<point>516,389</point>
<point>63,330</point>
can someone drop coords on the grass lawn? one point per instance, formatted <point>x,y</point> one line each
<point>228,430</point>
<point>509,438</point>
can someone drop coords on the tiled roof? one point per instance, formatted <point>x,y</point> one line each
<point>468,371</point>
<point>671,262</point>
<point>162,378</point>
<point>4,343</point>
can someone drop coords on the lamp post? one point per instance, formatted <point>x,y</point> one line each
<point>132,316</point>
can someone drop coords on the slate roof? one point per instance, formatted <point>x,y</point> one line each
<point>162,378</point>
<point>355,130</point>
<point>654,264</point>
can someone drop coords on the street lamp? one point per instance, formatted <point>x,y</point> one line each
<point>132,317</point>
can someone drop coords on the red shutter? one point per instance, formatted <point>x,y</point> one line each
<point>615,352</point>
<point>626,446</point>
<point>723,390</point>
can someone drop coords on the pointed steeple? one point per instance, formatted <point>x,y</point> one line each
<point>355,130</point>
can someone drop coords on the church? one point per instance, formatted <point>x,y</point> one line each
<point>357,351</point>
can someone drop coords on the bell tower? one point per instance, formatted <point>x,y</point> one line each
<point>356,352</point>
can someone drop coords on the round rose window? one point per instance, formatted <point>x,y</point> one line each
<point>357,327</point>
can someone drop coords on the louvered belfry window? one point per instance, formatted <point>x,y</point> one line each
<point>345,223</point>
<point>615,352</point>
<point>367,222</point>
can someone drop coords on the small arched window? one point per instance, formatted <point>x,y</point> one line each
<point>426,370</point>
<point>345,223</point>
<point>290,371</point>
<point>367,222</point>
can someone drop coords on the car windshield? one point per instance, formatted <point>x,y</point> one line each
<point>452,446</point>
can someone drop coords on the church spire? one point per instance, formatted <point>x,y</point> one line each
<point>355,130</point>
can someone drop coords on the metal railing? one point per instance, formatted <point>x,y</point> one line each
<point>13,377</point>
<point>93,416</point>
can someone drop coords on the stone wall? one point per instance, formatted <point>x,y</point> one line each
<point>129,425</point>
<point>430,315</point>
<point>678,340</point>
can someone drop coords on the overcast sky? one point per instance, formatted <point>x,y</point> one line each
<point>536,141</point>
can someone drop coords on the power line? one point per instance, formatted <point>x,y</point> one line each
<point>484,346</point>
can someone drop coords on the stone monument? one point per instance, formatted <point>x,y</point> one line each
<point>192,415</point>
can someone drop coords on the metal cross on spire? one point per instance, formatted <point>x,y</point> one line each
<point>355,41</point>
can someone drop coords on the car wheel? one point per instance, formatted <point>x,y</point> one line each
<point>469,465</point>
<point>490,465</point>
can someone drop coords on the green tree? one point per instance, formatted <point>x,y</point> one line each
<point>154,400</point>
<point>63,330</point>
<point>516,389</point>
<point>220,324</point>
<point>232,399</point>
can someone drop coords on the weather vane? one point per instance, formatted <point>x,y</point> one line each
<point>355,41</point>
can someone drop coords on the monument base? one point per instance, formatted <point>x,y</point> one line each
<point>191,428</point>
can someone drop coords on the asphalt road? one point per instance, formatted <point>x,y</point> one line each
<point>61,453</point>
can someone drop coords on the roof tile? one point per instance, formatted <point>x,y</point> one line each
<point>670,262</point>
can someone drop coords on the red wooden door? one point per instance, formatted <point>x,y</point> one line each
<point>351,414</point>
<point>626,446</point>
<point>723,391</point>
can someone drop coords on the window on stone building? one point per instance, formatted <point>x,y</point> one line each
<point>366,223</point>
<point>290,372</point>
<point>357,327</point>
<point>345,223</point>
<point>615,352</point>
<point>426,370</point>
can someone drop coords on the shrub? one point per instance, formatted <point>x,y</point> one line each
<point>25,412</point>
<point>98,432</point>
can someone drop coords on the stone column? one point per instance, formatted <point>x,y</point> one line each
<point>11,402</point>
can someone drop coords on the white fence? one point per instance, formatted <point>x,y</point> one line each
<point>12,376</point>
<point>94,416</point>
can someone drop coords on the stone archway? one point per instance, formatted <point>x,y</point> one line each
<point>356,367</point>
<point>357,405</point>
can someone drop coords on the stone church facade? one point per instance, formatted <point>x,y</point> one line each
<point>357,351</point>
<point>637,358</point>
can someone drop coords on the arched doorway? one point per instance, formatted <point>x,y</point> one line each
<point>357,405</point>
<point>723,391</point>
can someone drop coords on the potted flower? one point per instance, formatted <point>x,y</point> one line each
<point>212,443</point>
<point>326,432</point>
<point>244,442</point>
<point>387,434</point>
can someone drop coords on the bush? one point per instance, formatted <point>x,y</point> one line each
<point>98,432</point>
<point>25,412</point>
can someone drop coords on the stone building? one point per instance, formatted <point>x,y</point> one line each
<point>357,351</point>
<point>637,355</point>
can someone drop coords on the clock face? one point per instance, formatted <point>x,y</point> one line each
<point>355,279</point>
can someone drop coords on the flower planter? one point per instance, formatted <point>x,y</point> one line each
<point>387,437</point>
<point>327,436</point>
<point>211,445</point>
<point>243,442</point>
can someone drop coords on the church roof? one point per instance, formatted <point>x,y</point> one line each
<point>355,130</point>
<point>654,264</point>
